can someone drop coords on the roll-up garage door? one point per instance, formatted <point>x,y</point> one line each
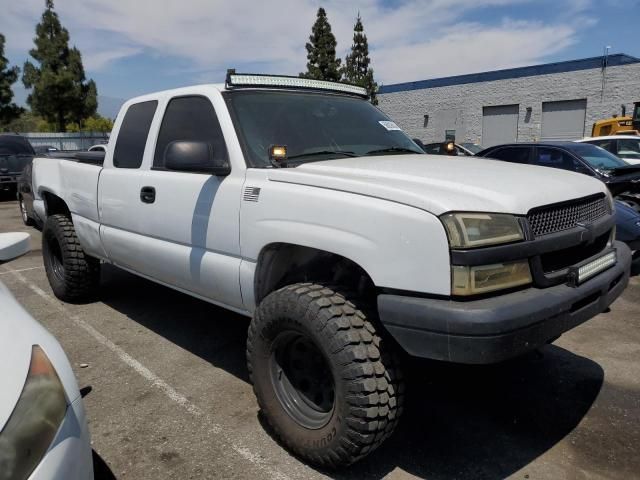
<point>563,120</point>
<point>499,124</point>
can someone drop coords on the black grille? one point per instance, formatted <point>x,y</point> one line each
<point>556,218</point>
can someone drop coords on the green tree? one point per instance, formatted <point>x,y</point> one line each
<point>9,111</point>
<point>28,122</point>
<point>60,92</point>
<point>96,123</point>
<point>357,68</point>
<point>322,63</point>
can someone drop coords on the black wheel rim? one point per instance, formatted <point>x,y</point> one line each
<point>302,380</point>
<point>56,263</point>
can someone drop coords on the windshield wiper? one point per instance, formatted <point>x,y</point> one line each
<point>345,153</point>
<point>392,150</point>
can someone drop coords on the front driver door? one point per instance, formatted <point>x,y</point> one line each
<point>192,222</point>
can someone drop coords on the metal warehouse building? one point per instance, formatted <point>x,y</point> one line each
<point>543,102</point>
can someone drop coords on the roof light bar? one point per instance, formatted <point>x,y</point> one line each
<point>238,80</point>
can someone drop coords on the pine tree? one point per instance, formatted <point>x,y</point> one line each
<point>322,63</point>
<point>60,92</point>
<point>357,68</point>
<point>9,111</point>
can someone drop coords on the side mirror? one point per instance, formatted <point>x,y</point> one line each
<point>14,245</point>
<point>196,157</point>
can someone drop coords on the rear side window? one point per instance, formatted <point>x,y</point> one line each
<point>511,154</point>
<point>190,119</point>
<point>133,135</point>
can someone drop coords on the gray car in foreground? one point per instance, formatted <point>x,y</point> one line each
<point>43,429</point>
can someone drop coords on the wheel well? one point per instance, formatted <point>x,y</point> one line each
<point>55,205</point>
<point>281,264</point>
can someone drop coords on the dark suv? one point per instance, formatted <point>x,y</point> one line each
<point>15,153</point>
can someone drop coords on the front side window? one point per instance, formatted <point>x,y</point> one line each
<point>194,119</point>
<point>313,126</point>
<point>552,157</point>
<point>133,134</point>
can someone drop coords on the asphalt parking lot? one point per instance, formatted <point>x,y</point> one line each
<point>170,394</point>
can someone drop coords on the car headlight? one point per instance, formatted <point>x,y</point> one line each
<point>33,424</point>
<point>610,202</point>
<point>468,230</point>
<point>489,278</point>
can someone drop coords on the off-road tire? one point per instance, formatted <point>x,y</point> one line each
<point>368,384</point>
<point>26,219</point>
<point>73,275</point>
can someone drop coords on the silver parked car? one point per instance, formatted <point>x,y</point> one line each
<point>43,429</point>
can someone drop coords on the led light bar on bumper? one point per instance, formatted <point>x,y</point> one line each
<point>238,80</point>
<point>594,267</point>
<point>473,229</point>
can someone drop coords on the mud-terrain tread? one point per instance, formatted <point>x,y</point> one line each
<point>374,381</point>
<point>81,271</point>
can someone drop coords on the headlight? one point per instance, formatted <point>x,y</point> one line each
<point>467,230</point>
<point>489,278</point>
<point>610,202</point>
<point>34,421</point>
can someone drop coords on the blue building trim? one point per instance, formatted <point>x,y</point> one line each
<point>532,71</point>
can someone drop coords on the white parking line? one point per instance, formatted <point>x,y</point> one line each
<point>21,270</point>
<point>156,381</point>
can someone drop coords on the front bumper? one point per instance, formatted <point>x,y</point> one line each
<point>69,457</point>
<point>498,328</point>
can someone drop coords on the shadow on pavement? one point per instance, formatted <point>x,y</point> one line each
<point>464,422</point>
<point>101,470</point>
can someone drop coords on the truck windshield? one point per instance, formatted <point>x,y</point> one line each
<point>313,126</point>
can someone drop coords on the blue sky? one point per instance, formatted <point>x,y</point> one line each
<point>134,47</point>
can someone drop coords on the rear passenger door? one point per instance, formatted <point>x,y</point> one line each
<point>121,230</point>
<point>192,224</point>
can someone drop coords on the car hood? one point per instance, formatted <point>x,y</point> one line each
<point>18,333</point>
<point>440,184</point>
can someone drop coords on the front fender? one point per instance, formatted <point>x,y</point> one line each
<point>399,246</point>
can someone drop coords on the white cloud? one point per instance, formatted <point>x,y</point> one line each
<point>412,40</point>
<point>511,45</point>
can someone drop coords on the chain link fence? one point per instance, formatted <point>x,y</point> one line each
<point>68,140</point>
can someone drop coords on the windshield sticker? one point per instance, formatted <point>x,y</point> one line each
<point>389,125</point>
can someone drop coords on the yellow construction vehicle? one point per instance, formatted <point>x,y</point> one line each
<point>623,125</point>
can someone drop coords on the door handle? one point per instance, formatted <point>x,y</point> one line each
<point>148,194</point>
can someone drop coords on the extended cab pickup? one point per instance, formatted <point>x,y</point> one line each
<point>299,204</point>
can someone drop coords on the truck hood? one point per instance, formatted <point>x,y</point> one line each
<point>441,184</point>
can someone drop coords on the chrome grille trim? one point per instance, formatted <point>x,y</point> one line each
<point>557,218</point>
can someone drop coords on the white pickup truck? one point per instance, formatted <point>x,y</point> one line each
<point>299,204</point>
